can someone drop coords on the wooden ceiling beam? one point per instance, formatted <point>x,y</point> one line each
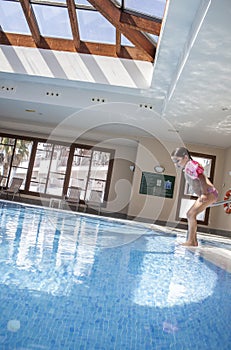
<point>113,15</point>
<point>118,41</point>
<point>31,20</point>
<point>141,23</point>
<point>58,44</point>
<point>74,23</point>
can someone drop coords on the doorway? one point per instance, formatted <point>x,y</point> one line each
<point>186,199</point>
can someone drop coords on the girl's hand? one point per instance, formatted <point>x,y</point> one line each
<point>203,198</point>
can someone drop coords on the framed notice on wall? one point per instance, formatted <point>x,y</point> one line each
<point>157,184</point>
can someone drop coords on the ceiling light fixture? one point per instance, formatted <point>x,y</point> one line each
<point>30,110</point>
<point>159,169</point>
<point>173,130</point>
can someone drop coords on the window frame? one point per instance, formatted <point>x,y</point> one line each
<point>36,141</point>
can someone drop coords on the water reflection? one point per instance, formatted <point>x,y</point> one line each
<point>52,251</point>
<point>44,250</point>
<point>179,277</point>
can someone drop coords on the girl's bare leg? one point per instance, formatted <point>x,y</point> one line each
<point>192,228</point>
<point>197,208</point>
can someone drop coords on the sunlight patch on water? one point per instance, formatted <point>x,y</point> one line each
<point>181,278</point>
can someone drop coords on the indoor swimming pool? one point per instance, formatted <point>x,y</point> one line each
<point>81,282</point>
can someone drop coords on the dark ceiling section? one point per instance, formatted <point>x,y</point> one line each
<point>133,25</point>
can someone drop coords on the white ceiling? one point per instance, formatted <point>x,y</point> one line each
<point>186,95</point>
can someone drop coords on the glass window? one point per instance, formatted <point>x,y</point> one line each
<point>98,172</point>
<point>99,166</point>
<point>53,21</point>
<point>54,1</point>
<point>12,18</point>
<point>6,153</point>
<point>89,171</point>
<point>149,7</point>
<point>105,32</point>
<point>49,169</point>
<point>40,168</point>
<point>58,166</point>
<point>95,185</point>
<point>57,172</point>
<point>21,159</point>
<point>14,159</point>
<point>7,141</point>
<point>125,41</point>
<point>83,2</point>
<point>152,37</point>
<point>47,172</point>
<point>80,169</point>
<point>118,2</point>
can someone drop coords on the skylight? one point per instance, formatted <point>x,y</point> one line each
<point>126,28</point>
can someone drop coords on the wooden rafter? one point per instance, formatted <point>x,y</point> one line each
<point>31,20</point>
<point>137,22</point>
<point>113,15</point>
<point>74,23</point>
<point>58,44</point>
<point>118,42</point>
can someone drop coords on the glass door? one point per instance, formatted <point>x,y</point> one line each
<point>186,199</point>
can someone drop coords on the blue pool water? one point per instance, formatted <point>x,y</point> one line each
<point>76,282</point>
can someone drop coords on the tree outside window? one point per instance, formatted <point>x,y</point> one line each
<point>14,158</point>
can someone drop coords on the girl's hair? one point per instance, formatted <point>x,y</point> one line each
<point>181,152</point>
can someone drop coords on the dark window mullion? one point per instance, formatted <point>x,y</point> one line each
<point>11,162</point>
<point>48,173</point>
<point>31,165</point>
<point>88,175</point>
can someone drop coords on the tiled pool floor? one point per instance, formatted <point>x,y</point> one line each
<point>78,282</point>
<point>214,248</point>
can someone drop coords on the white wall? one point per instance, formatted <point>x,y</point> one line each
<point>150,153</point>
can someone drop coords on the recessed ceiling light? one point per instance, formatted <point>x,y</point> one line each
<point>30,110</point>
<point>173,130</point>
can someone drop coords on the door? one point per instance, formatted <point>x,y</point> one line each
<point>186,199</point>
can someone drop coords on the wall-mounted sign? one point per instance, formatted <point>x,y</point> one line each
<point>157,184</point>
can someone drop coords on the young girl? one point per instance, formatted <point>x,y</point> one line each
<point>198,184</point>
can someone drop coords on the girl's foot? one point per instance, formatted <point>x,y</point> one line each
<point>190,244</point>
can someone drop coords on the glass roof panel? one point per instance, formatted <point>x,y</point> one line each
<point>82,2</point>
<point>12,18</point>
<point>125,41</point>
<point>148,7</point>
<point>154,38</point>
<point>117,2</point>
<point>77,2</point>
<point>53,21</point>
<point>53,1</point>
<point>89,21</point>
